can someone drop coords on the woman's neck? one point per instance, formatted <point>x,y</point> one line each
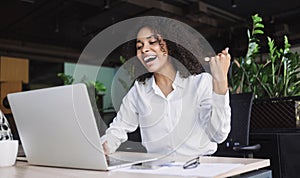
<point>166,76</point>
<point>165,79</point>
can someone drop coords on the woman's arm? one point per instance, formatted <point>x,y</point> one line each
<point>125,121</point>
<point>219,66</point>
<point>214,110</point>
<point>217,107</point>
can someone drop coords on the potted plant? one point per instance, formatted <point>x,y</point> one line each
<point>274,80</point>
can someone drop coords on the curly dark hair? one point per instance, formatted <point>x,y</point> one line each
<point>183,60</point>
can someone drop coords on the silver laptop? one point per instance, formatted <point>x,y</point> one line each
<point>57,128</point>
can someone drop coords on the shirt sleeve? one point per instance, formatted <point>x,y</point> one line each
<point>125,121</point>
<point>214,110</point>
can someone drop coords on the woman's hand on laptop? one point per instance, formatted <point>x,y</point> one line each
<point>105,148</point>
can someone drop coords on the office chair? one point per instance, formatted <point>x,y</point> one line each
<point>237,142</point>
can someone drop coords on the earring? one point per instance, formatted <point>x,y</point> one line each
<point>164,53</point>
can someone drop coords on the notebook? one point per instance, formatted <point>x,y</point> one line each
<point>57,128</point>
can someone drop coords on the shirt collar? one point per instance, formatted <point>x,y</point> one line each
<point>178,82</point>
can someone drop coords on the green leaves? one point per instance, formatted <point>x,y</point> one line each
<point>99,87</point>
<point>256,19</point>
<point>253,46</point>
<point>259,25</point>
<point>245,71</point>
<point>255,32</point>
<point>276,77</point>
<point>122,59</point>
<point>66,78</point>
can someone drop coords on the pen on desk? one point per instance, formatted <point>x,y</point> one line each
<point>155,166</point>
<point>193,163</point>
<point>170,164</point>
<point>144,166</point>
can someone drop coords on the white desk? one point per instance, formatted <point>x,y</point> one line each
<point>24,170</point>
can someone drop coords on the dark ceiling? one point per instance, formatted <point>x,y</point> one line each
<point>58,30</point>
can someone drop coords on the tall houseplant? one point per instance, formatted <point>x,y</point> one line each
<point>276,76</point>
<point>274,80</point>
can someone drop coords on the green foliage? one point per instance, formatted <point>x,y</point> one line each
<point>66,78</point>
<point>122,59</point>
<point>245,70</point>
<point>277,77</point>
<point>100,88</point>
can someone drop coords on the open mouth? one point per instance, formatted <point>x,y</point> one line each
<point>149,58</point>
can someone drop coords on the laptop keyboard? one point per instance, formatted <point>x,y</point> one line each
<point>114,162</point>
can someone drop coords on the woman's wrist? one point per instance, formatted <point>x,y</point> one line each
<point>220,87</point>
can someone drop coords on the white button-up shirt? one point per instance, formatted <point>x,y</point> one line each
<point>191,120</point>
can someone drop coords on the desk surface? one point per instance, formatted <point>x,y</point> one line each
<point>24,170</point>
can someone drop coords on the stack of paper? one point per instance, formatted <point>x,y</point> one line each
<point>202,170</point>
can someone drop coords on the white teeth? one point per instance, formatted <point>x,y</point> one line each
<point>149,58</point>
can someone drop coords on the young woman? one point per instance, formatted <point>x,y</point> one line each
<point>180,110</point>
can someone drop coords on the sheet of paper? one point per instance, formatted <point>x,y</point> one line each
<point>203,170</point>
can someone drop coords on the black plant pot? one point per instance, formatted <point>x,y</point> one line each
<point>276,113</point>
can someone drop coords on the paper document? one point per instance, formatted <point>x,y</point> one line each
<point>202,170</point>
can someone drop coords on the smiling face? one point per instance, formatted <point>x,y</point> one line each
<point>151,50</point>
